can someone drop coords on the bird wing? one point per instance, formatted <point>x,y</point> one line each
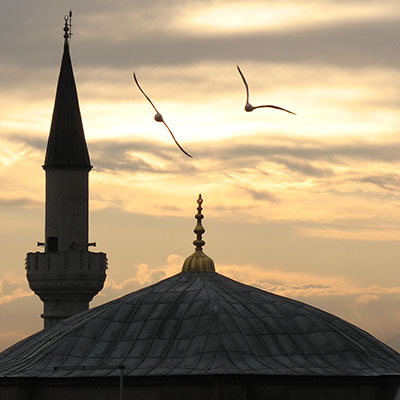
<point>245,83</point>
<point>276,107</point>
<point>144,94</point>
<point>173,137</point>
<point>162,120</point>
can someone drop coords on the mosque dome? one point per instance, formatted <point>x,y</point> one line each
<point>199,322</point>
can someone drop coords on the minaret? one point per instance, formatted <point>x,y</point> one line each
<point>66,276</point>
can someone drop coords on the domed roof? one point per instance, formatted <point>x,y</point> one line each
<point>201,323</point>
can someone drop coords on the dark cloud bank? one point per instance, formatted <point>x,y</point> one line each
<point>357,44</point>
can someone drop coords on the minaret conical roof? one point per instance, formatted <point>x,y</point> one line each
<point>66,145</point>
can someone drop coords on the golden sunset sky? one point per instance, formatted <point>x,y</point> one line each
<point>305,206</point>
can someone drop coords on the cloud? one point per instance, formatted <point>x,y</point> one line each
<point>20,202</point>
<point>146,34</point>
<point>303,167</point>
<point>123,155</point>
<point>296,154</point>
<point>284,283</point>
<point>366,298</point>
<point>15,295</point>
<point>388,182</point>
<point>305,149</point>
<point>324,188</point>
<point>167,208</point>
<point>337,44</point>
<point>263,147</point>
<point>142,275</point>
<point>224,17</point>
<point>259,194</point>
<point>268,168</point>
<point>13,288</point>
<point>139,156</point>
<point>303,285</point>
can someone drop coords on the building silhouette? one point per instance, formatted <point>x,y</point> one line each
<point>66,276</point>
<point>196,335</point>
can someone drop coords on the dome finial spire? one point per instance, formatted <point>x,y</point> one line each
<point>198,261</point>
<point>199,230</point>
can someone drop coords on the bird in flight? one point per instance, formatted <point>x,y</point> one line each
<point>248,107</point>
<point>158,117</point>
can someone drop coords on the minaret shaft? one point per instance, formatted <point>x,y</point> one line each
<point>67,211</point>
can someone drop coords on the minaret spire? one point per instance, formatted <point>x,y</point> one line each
<point>67,145</point>
<point>66,276</point>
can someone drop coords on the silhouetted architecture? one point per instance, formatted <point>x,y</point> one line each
<point>196,335</point>
<point>66,276</point>
<point>201,335</point>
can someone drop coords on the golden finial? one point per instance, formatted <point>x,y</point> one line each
<point>199,230</point>
<point>198,261</point>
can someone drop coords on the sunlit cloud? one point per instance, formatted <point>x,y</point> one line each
<point>142,275</point>
<point>13,288</point>
<point>205,103</point>
<point>228,17</point>
<point>291,284</point>
<point>16,294</point>
<point>279,178</point>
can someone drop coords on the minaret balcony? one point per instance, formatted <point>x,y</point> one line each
<point>72,271</point>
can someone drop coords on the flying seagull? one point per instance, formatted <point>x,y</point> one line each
<point>158,117</point>
<point>248,107</point>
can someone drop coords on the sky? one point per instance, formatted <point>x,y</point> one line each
<point>306,206</point>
